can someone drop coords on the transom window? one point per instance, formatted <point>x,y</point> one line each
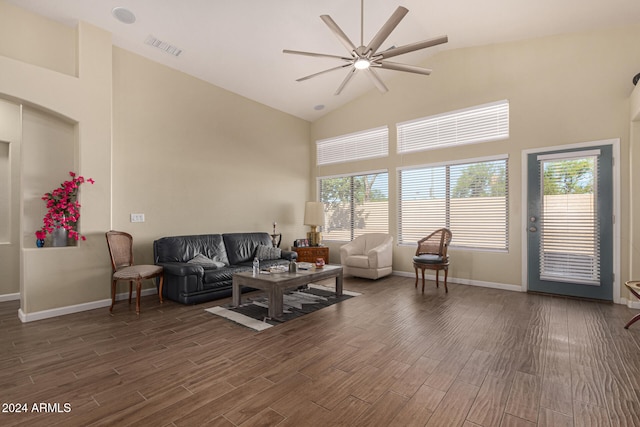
<point>487,122</point>
<point>367,144</point>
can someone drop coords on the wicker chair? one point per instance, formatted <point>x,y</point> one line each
<point>121,251</point>
<point>431,254</point>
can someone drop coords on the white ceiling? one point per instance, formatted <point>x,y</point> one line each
<point>237,44</point>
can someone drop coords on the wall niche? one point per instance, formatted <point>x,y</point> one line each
<point>49,153</point>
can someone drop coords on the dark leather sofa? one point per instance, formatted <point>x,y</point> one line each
<point>190,283</point>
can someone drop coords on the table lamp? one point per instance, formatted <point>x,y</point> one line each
<point>314,217</point>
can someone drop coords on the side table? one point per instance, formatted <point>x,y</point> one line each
<point>634,288</point>
<point>311,253</point>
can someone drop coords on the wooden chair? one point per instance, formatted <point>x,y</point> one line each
<point>431,254</point>
<point>121,251</point>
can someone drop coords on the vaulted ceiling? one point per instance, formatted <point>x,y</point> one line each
<point>237,44</point>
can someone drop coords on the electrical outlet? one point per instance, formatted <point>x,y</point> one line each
<point>137,217</point>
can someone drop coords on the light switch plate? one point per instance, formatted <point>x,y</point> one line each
<point>137,217</point>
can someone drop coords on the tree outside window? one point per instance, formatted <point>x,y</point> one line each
<point>355,205</point>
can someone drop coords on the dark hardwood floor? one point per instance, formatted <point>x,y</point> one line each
<point>391,357</point>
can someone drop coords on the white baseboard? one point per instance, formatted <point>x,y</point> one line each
<point>55,312</point>
<point>10,297</point>
<point>492,285</point>
<point>631,304</point>
<point>624,301</point>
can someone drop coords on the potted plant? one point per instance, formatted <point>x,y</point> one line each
<point>63,211</point>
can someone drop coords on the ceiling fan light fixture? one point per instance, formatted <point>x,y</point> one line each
<point>368,57</point>
<point>362,63</point>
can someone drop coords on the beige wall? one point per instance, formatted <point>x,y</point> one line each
<point>562,90</point>
<point>190,156</point>
<point>634,186</point>
<point>38,41</point>
<point>54,278</point>
<point>10,135</point>
<point>196,159</point>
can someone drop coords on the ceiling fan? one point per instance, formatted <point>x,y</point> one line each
<point>367,58</point>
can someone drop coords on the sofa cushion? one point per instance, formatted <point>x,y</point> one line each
<point>205,262</point>
<point>268,252</point>
<point>185,248</point>
<point>359,261</point>
<point>241,247</point>
<point>428,259</point>
<point>221,276</point>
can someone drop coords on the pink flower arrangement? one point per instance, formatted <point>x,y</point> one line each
<point>63,208</point>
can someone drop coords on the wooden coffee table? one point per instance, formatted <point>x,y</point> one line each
<point>276,283</point>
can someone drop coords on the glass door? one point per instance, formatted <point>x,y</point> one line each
<point>570,222</point>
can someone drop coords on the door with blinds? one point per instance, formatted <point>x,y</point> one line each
<point>570,222</point>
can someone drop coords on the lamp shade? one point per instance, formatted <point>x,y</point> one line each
<point>314,213</point>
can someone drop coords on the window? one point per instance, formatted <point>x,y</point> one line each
<point>471,199</point>
<point>356,146</point>
<point>488,122</point>
<point>355,205</point>
<point>570,221</point>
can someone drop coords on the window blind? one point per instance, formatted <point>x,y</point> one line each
<point>355,205</point>
<point>368,144</point>
<point>569,242</point>
<point>488,122</point>
<point>471,199</point>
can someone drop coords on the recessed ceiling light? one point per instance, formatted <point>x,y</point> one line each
<point>319,107</point>
<point>123,15</point>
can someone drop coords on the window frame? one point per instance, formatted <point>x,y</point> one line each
<point>352,233</point>
<point>351,146</point>
<point>501,109</point>
<point>447,190</point>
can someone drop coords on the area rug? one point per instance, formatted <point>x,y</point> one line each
<point>253,312</point>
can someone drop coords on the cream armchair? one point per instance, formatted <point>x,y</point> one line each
<point>368,256</point>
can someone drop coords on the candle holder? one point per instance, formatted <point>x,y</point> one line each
<point>276,238</point>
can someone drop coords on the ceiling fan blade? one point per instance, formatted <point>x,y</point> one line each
<point>400,50</point>
<point>352,72</point>
<point>386,29</point>
<point>377,81</point>
<point>403,67</point>
<point>317,55</point>
<point>301,79</point>
<point>346,42</point>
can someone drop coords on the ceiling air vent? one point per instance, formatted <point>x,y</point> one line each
<point>163,46</point>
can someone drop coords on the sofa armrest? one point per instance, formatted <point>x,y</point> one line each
<point>346,251</point>
<point>289,255</point>
<point>182,269</point>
